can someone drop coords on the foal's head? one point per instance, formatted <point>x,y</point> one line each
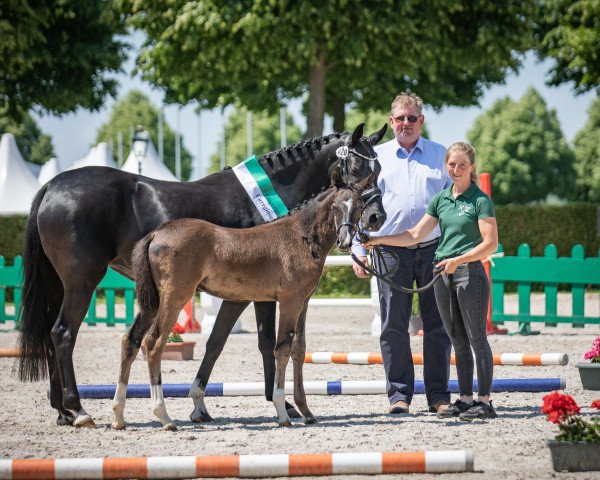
<point>348,207</point>
<point>357,160</point>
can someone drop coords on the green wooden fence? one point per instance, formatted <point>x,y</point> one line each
<point>113,283</point>
<point>575,271</point>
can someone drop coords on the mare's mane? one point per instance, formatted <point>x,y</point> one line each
<point>287,156</point>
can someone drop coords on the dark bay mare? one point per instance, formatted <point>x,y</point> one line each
<point>84,220</point>
<point>280,261</point>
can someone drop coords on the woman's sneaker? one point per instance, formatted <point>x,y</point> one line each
<point>454,410</point>
<point>478,411</point>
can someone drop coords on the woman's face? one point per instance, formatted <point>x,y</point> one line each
<point>459,167</point>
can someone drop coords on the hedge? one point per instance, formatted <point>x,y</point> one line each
<point>537,225</point>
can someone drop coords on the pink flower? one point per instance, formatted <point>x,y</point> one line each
<point>594,353</point>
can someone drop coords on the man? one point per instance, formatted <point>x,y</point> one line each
<point>412,172</point>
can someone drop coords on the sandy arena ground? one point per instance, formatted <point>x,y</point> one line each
<point>510,447</point>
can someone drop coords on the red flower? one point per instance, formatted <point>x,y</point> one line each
<point>177,328</point>
<point>558,406</point>
<point>595,404</point>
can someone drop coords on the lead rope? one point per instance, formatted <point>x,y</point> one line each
<point>385,276</point>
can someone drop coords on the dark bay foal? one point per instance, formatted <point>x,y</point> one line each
<point>280,261</point>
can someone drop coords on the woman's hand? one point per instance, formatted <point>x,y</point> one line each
<point>450,265</point>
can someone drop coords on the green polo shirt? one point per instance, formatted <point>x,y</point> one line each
<point>458,218</point>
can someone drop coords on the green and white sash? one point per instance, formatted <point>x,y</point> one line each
<point>258,186</point>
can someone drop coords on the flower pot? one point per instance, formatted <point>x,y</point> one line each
<point>590,375</point>
<point>574,456</point>
<point>176,351</point>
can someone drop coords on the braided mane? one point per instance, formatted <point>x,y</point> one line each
<point>303,150</point>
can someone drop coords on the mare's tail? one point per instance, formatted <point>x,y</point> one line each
<point>145,288</point>
<point>42,297</point>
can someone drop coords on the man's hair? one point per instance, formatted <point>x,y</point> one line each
<point>469,151</point>
<point>407,100</point>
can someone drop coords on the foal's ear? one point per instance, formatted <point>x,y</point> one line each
<point>376,137</point>
<point>336,177</point>
<point>357,134</point>
<point>367,182</point>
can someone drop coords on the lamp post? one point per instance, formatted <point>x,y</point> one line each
<point>139,145</point>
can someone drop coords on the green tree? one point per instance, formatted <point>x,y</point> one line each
<point>522,146</point>
<point>265,136</point>
<point>587,157</point>
<point>57,55</point>
<point>569,32</point>
<point>260,54</point>
<point>35,146</point>
<point>136,109</point>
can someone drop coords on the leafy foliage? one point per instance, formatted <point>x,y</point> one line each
<point>265,136</point>
<point>522,146</point>
<point>261,54</point>
<point>34,145</point>
<point>57,55</point>
<point>136,109</point>
<point>587,157</point>
<point>569,32</point>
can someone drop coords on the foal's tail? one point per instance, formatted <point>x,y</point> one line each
<point>42,297</point>
<point>145,288</point>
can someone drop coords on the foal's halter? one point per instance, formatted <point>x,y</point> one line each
<point>385,276</point>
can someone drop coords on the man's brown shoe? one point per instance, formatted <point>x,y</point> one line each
<point>399,407</point>
<point>439,406</point>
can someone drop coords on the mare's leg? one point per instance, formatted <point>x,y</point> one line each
<point>78,293</point>
<point>226,318</point>
<point>64,416</point>
<point>265,325</point>
<point>155,343</point>
<point>298,352</point>
<point>130,345</point>
<point>289,312</point>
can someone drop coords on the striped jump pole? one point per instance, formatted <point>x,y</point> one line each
<point>371,358</point>
<point>336,387</point>
<point>274,465</point>
<point>10,352</point>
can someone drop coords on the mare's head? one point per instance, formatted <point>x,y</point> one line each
<point>348,208</point>
<point>357,161</point>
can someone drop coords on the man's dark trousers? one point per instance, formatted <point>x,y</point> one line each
<point>396,306</point>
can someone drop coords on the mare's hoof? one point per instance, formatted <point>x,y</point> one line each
<point>64,420</point>
<point>201,417</point>
<point>287,423</point>
<point>292,412</point>
<point>85,421</point>
<point>310,420</point>
<point>170,427</point>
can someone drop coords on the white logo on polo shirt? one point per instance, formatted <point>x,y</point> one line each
<point>464,209</point>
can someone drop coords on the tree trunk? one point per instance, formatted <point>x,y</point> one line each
<point>316,98</point>
<point>339,114</point>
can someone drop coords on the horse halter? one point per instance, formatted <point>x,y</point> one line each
<point>368,195</point>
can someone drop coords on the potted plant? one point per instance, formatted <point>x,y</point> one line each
<point>577,447</point>
<point>176,347</point>
<point>590,372</point>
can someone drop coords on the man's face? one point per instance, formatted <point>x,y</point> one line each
<point>406,123</point>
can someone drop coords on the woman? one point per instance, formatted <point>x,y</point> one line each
<point>468,234</point>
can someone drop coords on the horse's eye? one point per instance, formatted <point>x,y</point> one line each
<point>355,170</point>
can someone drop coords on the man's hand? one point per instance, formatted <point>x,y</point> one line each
<point>359,271</point>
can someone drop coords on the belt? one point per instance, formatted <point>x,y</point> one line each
<point>423,245</point>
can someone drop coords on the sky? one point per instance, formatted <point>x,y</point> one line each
<point>74,134</point>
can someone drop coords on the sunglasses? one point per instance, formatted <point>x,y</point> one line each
<point>410,118</point>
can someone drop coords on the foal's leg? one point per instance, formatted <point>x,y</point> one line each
<point>130,345</point>
<point>298,352</point>
<point>226,318</point>
<point>265,326</point>
<point>155,343</point>
<point>288,317</point>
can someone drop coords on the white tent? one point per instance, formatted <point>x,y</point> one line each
<point>151,165</point>
<point>99,156</point>
<point>49,170</point>
<point>18,185</point>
